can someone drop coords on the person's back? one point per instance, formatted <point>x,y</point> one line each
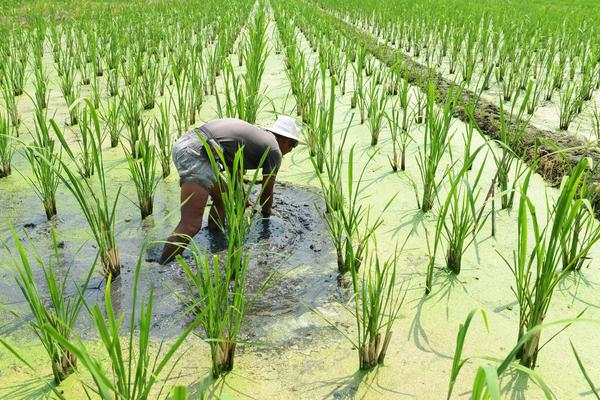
<point>231,134</point>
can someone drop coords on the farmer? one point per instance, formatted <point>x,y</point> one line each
<point>198,181</point>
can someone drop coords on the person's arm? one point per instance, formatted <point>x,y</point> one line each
<point>270,168</point>
<point>266,198</point>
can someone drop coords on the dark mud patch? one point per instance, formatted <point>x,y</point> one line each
<point>292,268</point>
<point>291,264</point>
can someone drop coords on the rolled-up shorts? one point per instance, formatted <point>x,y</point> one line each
<point>191,161</point>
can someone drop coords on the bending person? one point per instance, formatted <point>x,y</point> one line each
<point>198,181</point>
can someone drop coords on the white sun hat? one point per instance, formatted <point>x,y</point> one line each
<point>286,126</point>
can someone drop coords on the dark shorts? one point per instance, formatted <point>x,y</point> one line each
<point>191,161</point>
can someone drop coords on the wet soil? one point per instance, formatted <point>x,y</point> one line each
<point>290,252</point>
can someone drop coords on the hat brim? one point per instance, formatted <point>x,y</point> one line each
<point>285,134</point>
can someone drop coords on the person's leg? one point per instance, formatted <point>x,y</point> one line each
<point>216,217</point>
<point>193,200</point>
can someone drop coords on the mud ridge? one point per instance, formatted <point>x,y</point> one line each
<point>552,153</point>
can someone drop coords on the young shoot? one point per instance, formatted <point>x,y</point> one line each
<point>7,145</point>
<point>536,269</point>
<point>93,198</point>
<point>459,220</point>
<point>400,122</point>
<point>111,116</point>
<point>377,102</point>
<point>436,139</point>
<point>85,143</point>
<point>376,308</point>
<point>136,367</point>
<point>45,162</point>
<point>346,218</point>
<point>143,171</point>
<point>164,139</point>
<point>255,58</point>
<point>56,309</point>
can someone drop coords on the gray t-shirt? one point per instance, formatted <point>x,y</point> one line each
<point>232,133</point>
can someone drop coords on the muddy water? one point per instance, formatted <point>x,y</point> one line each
<point>290,250</point>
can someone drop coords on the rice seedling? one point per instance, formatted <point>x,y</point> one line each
<point>165,70</point>
<point>164,139</point>
<point>536,271</point>
<point>242,48</point>
<point>95,54</point>
<point>358,94</point>
<point>131,112</point>
<point>346,217</point>
<point>487,384</point>
<point>568,104</point>
<point>182,97</point>
<point>148,83</point>
<point>458,220</point>
<point>84,68</point>
<point>595,122</point>
<point>15,67</point>
<point>342,75</point>
<point>7,145</point>
<point>68,87</point>
<point>294,60</point>
<point>10,103</point>
<point>98,209</point>
<point>587,85</point>
<point>358,68</point>
<point>111,116</point>
<point>377,300</point>
<point>197,96</point>
<point>143,171</point>
<point>376,308</point>
<point>400,123</point>
<point>512,129</point>
<point>221,305</point>
<point>534,93</point>
<point>135,372</point>
<point>403,88</point>
<point>322,122</point>
<point>234,103</point>
<point>112,82</point>
<point>95,95</point>
<point>510,80</point>
<point>377,102</point>
<point>85,142</point>
<point>580,231</point>
<point>41,82</point>
<point>219,309</point>
<point>470,107</point>
<point>307,99</point>
<point>458,362</point>
<point>45,162</point>
<point>129,68</point>
<point>58,310</point>
<point>436,138</point>
<point>255,59</point>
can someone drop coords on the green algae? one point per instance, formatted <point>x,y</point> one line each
<point>300,356</point>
